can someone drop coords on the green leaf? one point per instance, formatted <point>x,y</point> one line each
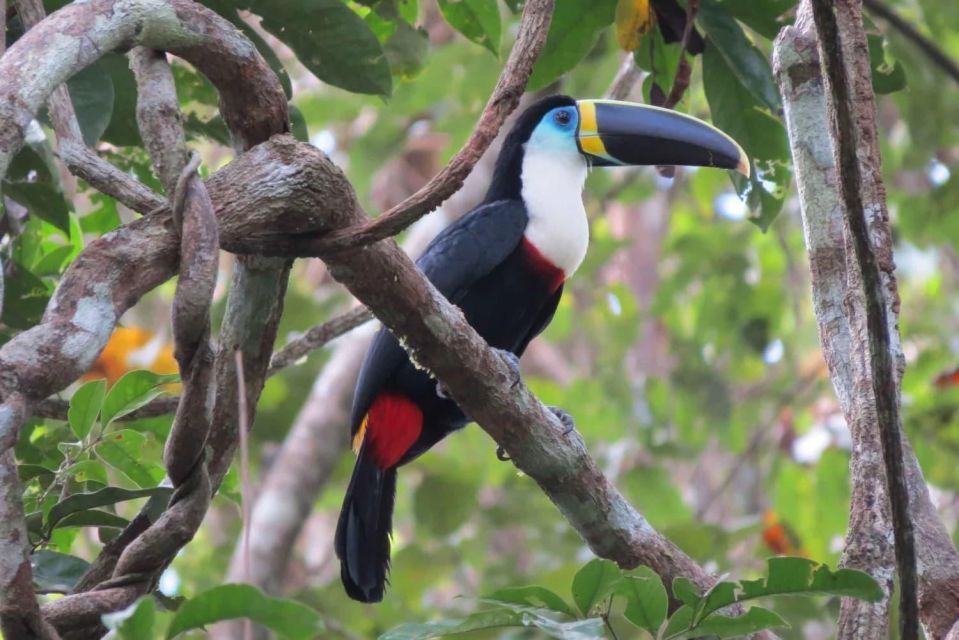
<point>288,618</point>
<point>685,591</point>
<point>123,451</point>
<point>888,76</point>
<point>123,130</point>
<point>334,43</point>
<point>85,406</point>
<point>28,472</point>
<point>103,497</point>
<point>801,575</point>
<point>748,64</point>
<point>261,45</point>
<point>92,518</point>
<point>754,620</point>
<point>534,596</point>
<point>406,50</point>
<point>214,128</point>
<point>25,296</point>
<point>661,61</point>
<point>52,263</point>
<point>138,621</point>
<point>477,20</point>
<point>761,17</point>
<point>91,90</point>
<point>514,616</point>
<point>593,583</point>
<point>56,572</point>
<point>646,599</point>
<point>761,134</point>
<point>32,181</point>
<point>573,31</point>
<point>131,392</point>
<point>298,125</point>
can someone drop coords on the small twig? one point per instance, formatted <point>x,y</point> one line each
<point>246,494</point>
<point>684,70</point>
<point>939,57</point>
<point>318,336</point>
<point>885,390</point>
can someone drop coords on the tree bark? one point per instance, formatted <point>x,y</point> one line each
<point>840,313</point>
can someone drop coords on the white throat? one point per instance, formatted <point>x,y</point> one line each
<point>553,194</point>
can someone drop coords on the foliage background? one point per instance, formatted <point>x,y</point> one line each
<point>685,347</point>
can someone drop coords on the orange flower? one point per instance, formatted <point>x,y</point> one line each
<point>132,348</point>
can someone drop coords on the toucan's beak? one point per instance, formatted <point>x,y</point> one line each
<point>615,133</point>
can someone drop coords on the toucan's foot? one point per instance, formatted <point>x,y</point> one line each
<point>501,455</point>
<point>565,418</point>
<point>513,361</point>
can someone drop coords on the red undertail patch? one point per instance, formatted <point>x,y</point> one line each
<point>392,425</point>
<point>553,275</point>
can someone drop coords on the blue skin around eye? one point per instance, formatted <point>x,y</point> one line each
<point>553,136</point>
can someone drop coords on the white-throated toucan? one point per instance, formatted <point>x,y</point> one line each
<point>504,265</point>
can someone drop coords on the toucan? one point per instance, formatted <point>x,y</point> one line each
<point>504,264</point>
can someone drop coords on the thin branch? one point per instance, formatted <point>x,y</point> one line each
<point>884,382</point>
<point>316,337</point>
<point>939,57</point>
<point>626,78</point>
<point>684,69</point>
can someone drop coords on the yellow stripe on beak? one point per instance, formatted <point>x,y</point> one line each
<point>589,140</point>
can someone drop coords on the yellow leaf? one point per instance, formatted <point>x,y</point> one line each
<point>633,19</point>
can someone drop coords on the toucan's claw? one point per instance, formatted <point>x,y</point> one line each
<point>441,391</point>
<point>565,418</point>
<point>501,455</point>
<point>513,361</point>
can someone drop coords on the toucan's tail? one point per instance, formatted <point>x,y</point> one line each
<point>363,532</point>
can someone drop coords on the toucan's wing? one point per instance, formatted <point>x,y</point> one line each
<point>473,246</point>
<point>542,320</point>
<point>460,255</point>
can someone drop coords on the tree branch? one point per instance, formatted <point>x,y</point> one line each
<point>841,318</point>
<point>845,131</point>
<point>926,45</point>
<point>317,336</point>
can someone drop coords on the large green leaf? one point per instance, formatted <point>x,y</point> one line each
<point>32,181</point>
<point>123,450</point>
<point>107,496</point>
<point>762,17</point>
<point>56,572</point>
<point>748,64</point>
<point>93,518</point>
<point>718,626</point>
<point>646,599</point>
<point>761,134</point>
<point>332,41</point>
<point>593,583</point>
<point>478,20</point>
<point>533,596</point>
<point>572,33</point>
<point>289,619</point>
<point>514,616</point>
<point>123,130</point>
<point>92,92</point>
<point>139,621</point>
<point>25,296</point>
<point>131,392</point>
<point>406,49</point>
<point>85,406</point>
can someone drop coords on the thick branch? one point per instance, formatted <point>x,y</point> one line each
<point>845,129</point>
<point>842,328</point>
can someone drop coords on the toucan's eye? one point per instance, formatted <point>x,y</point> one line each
<point>562,117</point>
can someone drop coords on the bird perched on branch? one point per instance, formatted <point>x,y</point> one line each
<point>504,265</point>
